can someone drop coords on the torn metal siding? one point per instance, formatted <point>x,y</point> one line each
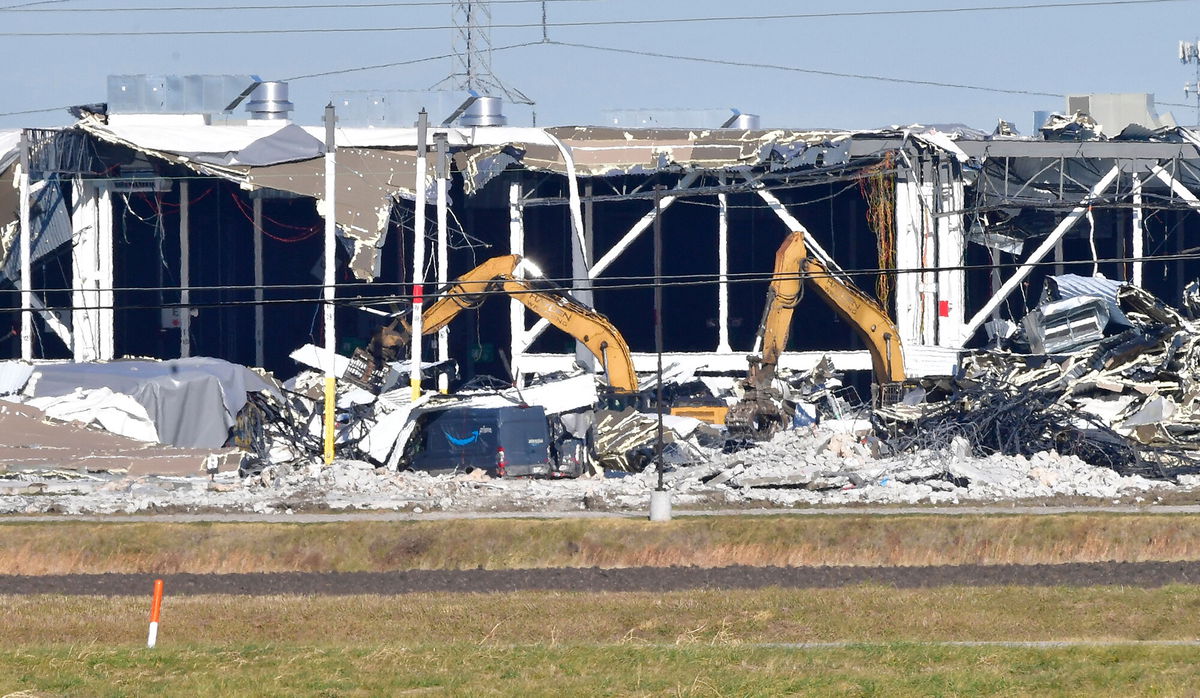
<point>603,152</point>
<point>610,152</point>
<point>369,180</point>
<point>375,167</point>
<point>10,209</point>
<point>51,229</point>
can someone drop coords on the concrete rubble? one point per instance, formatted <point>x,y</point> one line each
<point>1111,416</point>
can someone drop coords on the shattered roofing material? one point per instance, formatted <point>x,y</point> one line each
<point>378,165</point>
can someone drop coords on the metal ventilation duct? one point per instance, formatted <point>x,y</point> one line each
<point>269,101</point>
<point>748,122</point>
<point>485,111</point>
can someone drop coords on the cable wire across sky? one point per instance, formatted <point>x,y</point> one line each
<point>623,22</point>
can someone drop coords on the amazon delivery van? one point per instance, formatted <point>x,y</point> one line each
<point>505,441</point>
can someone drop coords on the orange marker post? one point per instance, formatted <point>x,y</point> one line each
<point>155,608</point>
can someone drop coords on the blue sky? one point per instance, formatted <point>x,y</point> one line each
<point>1126,48</point>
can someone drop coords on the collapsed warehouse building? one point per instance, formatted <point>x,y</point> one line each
<point>185,235</point>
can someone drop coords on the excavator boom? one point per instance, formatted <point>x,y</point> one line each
<point>509,274</point>
<point>759,413</point>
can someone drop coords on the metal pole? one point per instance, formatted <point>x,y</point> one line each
<point>516,311</point>
<point>660,498</point>
<point>658,330</point>
<point>258,282</point>
<point>723,270</point>
<point>330,278</point>
<point>185,270</point>
<point>418,276</point>
<point>442,172</point>
<point>26,262</point>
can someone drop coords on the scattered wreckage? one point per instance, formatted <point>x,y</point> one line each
<point>1094,393</point>
<point>1100,370</point>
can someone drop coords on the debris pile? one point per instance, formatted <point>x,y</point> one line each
<point>1128,400</point>
<point>819,467</point>
<point>1094,394</point>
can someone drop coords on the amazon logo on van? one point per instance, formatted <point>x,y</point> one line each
<point>468,440</point>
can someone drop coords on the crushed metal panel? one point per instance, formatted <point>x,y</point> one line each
<point>1066,324</point>
<point>1066,286</point>
<point>602,151</point>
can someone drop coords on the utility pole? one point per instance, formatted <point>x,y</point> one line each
<point>418,276</point>
<point>660,498</point>
<point>330,279</point>
<point>442,177</point>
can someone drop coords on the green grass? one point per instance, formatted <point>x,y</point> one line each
<point>397,667</point>
<point>79,547</point>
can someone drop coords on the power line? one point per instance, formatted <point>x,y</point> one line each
<point>21,7</point>
<point>579,23</point>
<point>239,8</point>
<point>30,8</point>
<point>564,284</point>
<point>35,111</point>
<point>394,64</point>
<point>808,71</point>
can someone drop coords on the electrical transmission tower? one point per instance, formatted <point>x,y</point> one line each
<point>1189,53</point>
<point>472,46</point>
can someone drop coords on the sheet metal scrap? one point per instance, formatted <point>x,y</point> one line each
<point>626,440</point>
<point>1130,401</point>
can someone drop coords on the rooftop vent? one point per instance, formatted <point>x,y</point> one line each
<point>484,111</point>
<point>269,101</point>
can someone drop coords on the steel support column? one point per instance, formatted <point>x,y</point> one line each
<point>258,281</point>
<point>185,270</point>
<point>25,252</point>
<point>91,272</point>
<point>516,311</point>
<point>723,270</point>
<point>1138,232</point>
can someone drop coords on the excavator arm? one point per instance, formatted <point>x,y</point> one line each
<point>759,413</point>
<point>510,274</point>
<point>793,267</point>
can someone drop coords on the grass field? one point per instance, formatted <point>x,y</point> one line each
<point>625,670</point>
<point>694,643</point>
<point>856,641</point>
<point>76,547</point>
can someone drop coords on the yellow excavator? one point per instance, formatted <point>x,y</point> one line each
<point>518,277</point>
<point>762,410</point>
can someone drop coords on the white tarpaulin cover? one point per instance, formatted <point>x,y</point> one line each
<point>191,402</point>
<point>113,412</point>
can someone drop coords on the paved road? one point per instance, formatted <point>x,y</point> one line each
<point>1137,574</point>
<point>452,515</point>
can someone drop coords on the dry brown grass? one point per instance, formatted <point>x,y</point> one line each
<point>71,547</point>
<point>854,614</point>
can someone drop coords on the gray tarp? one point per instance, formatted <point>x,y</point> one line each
<point>192,401</point>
